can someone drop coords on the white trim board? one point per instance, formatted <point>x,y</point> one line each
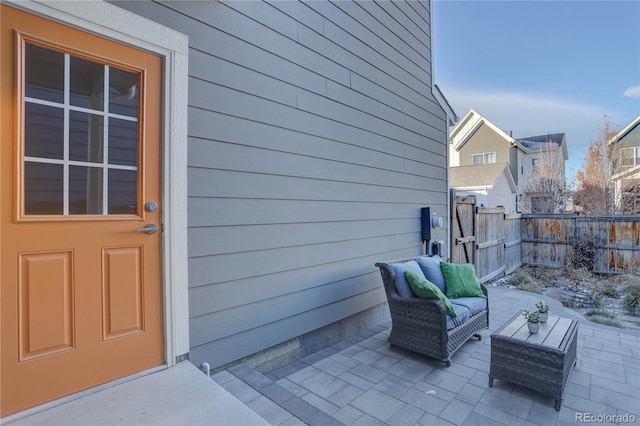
<point>111,22</point>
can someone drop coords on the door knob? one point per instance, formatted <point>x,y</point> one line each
<point>149,229</point>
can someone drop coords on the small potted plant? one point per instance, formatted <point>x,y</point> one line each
<point>543,310</point>
<point>533,320</point>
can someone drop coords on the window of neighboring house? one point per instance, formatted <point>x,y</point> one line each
<point>484,158</point>
<point>630,156</point>
<point>534,162</point>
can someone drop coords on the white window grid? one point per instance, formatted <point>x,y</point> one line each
<point>484,158</point>
<point>66,162</point>
<point>634,157</point>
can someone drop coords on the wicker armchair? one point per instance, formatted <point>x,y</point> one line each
<point>420,325</point>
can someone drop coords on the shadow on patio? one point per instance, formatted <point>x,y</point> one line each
<point>362,381</point>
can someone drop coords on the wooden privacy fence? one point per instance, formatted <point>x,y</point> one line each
<point>498,243</point>
<point>608,244</point>
<point>485,237</point>
<point>463,229</point>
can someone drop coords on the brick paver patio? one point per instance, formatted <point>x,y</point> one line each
<point>362,381</point>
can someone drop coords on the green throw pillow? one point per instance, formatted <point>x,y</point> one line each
<point>424,288</point>
<point>461,280</point>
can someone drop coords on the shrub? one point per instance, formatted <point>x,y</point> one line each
<point>611,292</point>
<point>631,301</point>
<point>578,274</point>
<point>613,322</point>
<point>601,316</point>
<point>599,313</point>
<point>584,252</point>
<point>519,278</point>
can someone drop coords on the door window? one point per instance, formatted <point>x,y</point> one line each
<point>81,135</point>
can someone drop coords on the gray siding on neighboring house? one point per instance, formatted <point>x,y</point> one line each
<point>513,163</point>
<point>314,140</point>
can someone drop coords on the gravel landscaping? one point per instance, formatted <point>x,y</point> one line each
<point>612,300</point>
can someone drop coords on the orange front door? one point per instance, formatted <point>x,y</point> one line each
<point>80,173</point>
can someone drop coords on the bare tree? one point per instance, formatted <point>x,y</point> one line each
<point>595,193</point>
<point>545,191</point>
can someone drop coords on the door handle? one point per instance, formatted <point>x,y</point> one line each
<point>149,229</point>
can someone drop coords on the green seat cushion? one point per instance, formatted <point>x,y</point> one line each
<point>461,280</point>
<point>428,290</point>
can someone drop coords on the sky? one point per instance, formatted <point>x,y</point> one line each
<point>538,67</point>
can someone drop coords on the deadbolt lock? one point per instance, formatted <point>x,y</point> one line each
<point>151,206</point>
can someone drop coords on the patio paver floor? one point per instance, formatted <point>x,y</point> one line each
<point>363,381</point>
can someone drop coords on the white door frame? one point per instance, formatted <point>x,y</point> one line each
<point>114,23</point>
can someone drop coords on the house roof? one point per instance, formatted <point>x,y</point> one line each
<point>446,106</point>
<point>479,175</point>
<point>539,142</point>
<point>470,123</point>
<point>622,133</point>
<point>544,142</point>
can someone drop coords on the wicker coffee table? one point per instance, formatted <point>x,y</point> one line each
<point>540,361</point>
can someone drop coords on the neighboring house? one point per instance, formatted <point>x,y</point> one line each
<point>205,181</point>
<point>624,152</point>
<point>492,184</point>
<point>476,140</point>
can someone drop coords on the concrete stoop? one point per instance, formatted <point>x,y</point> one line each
<point>180,395</point>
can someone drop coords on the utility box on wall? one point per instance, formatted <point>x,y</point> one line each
<point>439,248</point>
<point>426,223</point>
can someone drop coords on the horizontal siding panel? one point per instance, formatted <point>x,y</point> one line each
<point>426,112</point>
<point>265,14</point>
<point>324,107</point>
<point>229,48</point>
<point>271,138</point>
<point>209,68</point>
<point>410,28</point>
<point>220,99</point>
<point>236,320</point>
<point>206,241</point>
<point>232,157</point>
<point>428,166</point>
<point>432,185</point>
<point>387,32</point>
<point>206,38</point>
<point>419,9</point>
<point>223,351</point>
<point>388,116</point>
<point>231,211</point>
<point>235,266</point>
<point>240,26</point>
<point>229,184</point>
<point>266,161</point>
<point>342,38</point>
<point>301,13</point>
<point>366,70</point>
<point>213,297</point>
<point>359,40</point>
